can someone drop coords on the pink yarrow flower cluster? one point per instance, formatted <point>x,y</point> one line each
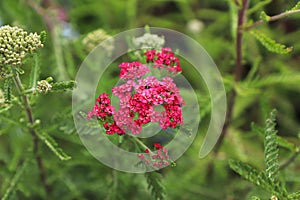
<point>142,100</point>
<point>131,70</point>
<point>164,59</point>
<point>159,158</point>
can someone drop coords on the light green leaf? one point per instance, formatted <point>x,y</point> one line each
<point>258,6</point>
<point>63,86</point>
<point>35,71</point>
<point>286,78</point>
<point>286,144</point>
<point>295,195</point>
<point>297,6</point>
<point>270,44</point>
<point>7,91</point>
<point>53,146</point>
<point>264,16</point>
<point>271,149</point>
<point>15,180</point>
<point>154,181</point>
<point>251,174</point>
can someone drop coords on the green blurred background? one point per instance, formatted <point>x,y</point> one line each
<point>211,23</point>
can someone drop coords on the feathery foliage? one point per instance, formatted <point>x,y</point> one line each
<point>53,146</point>
<point>15,180</point>
<point>269,178</point>
<point>271,149</point>
<point>154,180</point>
<point>270,44</point>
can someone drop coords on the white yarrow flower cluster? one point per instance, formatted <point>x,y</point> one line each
<point>16,44</point>
<point>148,40</point>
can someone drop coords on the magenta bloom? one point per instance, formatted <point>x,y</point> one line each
<point>164,59</point>
<point>142,100</point>
<point>157,158</point>
<point>102,108</point>
<point>131,70</point>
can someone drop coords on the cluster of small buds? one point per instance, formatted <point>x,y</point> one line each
<point>148,41</point>
<point>94,38</point>
<point>159,158</point>
<point>2,99</point>
<point>16,44</point>
<point>43,86</point>
<point>164,59</point>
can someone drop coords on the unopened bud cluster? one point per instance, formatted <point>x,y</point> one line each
<point>43,86</point>
<point>16,44</point>
<point>94,38</point>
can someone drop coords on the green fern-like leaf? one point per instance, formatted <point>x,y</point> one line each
<point>7,91</point>
<point>287,78</point>
<point>295,195</point>
<point>15,180</point>
<point>264,16</point>
<point>297,6</point>
<point>255,198</point>
<point>43,36</point>
<point>258,6</point>
<point>286,144</point>
<point>63,86</point>
<point>35,71</point>
<point>251,174</point>
<point>53,146</point>
<point>281,141</point>
<point>271,149</point>
<point>154,181</point>
<point>270,44</point>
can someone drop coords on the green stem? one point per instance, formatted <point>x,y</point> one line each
<point>142,144</point>
<point>290,160</point>
<point>272,18</point>
<point>33,132</point>
<point>238,71</point>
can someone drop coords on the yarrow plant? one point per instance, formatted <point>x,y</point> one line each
<point>16,47</point>
<point>144,99</point>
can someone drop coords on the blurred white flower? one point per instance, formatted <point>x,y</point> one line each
<point>94,38</point>
<point>148,40</point>
<point>195,26</point>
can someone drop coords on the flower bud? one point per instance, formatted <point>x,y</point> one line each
<point>43,86</point>
<point>16,44</point>
<point>93,39</point>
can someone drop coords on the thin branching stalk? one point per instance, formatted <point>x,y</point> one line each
<point>142,144</point>
<point>238,70</point>
<point>33,132</point>
<point>272,18</point>
<point>290,160</point>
